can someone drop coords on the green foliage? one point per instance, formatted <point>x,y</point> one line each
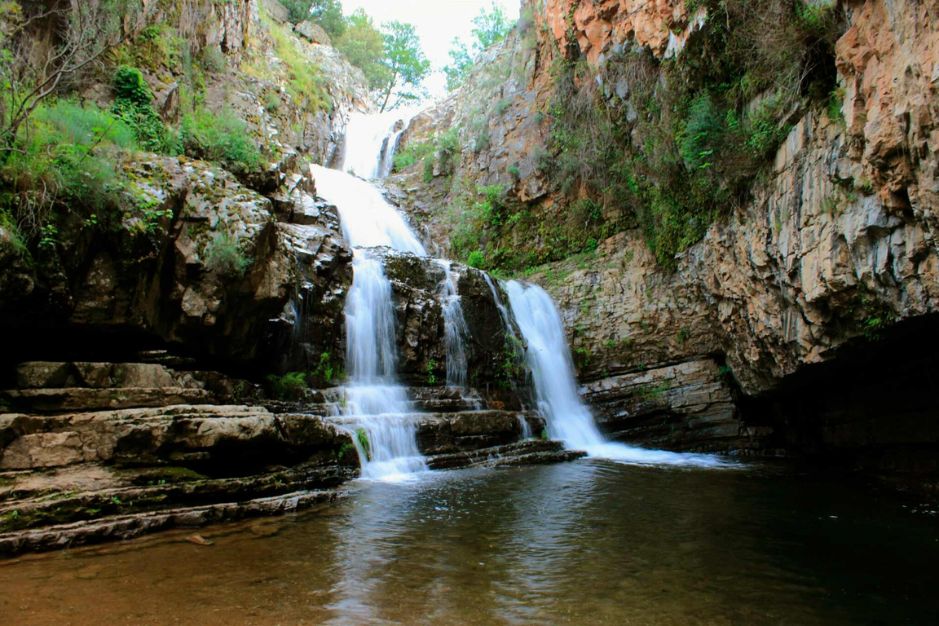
<point>304,83</point>
<point>220,137</point>
<point>431,372</point>
<point>700,133</point>
<point>65,153</point>
<point>443,150</point>
<point>346,452</point>
<point>289,386</point>
<point>133,103</point>
<point>214,60</point>
<point>298,10</point>
<point>328,14</point>
<point>490,27</point>
<point>224,255</point>
<point>326,373</point>
<point>405,64</point>
<point>412,154</point>
<point>476,259</point>
<point>836,105</point>
<point>157,46</point>
<point>448,150</point>
<point>363,45</point>
<point>699,129</point>
<point>362,438</point>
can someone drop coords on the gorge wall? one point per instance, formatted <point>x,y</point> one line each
<point>830,253</point>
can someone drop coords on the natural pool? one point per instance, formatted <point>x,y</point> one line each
<point>589,542</point>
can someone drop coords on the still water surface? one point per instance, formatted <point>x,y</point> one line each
<point>584,543</point>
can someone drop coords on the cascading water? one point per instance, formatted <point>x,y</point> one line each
<point>568,418</point>
<point>376,405</point>
<point>454,327</point>
<point>498,300</point>
<point>371,140</point>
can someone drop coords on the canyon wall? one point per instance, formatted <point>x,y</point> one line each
<point>834,247</point>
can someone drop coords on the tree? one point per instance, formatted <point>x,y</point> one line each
<point>404,62</point>
<point>364,47</point>
<point>328,14</point>
<point>491,27</point>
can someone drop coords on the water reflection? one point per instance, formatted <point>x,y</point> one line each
<point>588,542</point>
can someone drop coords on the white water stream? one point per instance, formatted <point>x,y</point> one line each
<point>371,139</point>
<point>376,405</point>
<point>568,418</point>
<point>454,325</point>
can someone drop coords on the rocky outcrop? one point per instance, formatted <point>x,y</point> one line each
<point>662,26</point>
<point>835,245</point>
<point>199,261</point>
<point>492,350</point>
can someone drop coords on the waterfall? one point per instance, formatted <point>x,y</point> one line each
<point>498,300</point>
<point>371,140</point>
<point>367,219</point>
<point>454,325</point>
<point>376,409</point>
<point>568,418</point>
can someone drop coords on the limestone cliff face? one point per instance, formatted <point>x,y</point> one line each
<point>836,245</point>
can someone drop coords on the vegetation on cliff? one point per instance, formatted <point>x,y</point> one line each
<point>666,144</point>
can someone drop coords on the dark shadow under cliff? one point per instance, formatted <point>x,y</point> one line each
<point>872,407</point>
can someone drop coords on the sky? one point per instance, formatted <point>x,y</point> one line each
<point>437,23</point>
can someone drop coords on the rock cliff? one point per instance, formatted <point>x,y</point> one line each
<point>831,248</point>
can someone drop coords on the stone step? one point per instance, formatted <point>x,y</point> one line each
<point>529,452</point>
<point>122,527</point>
<point>439,433</point>
<point>48,500</point>
<point>53,400</point>
<point>426,399</point>
<point>214,437</point>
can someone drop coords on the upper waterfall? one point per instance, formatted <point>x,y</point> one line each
<point>368,220</point>
<point>371,139</point>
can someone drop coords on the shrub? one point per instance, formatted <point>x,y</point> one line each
<point>476,259</point>
<point>448,150</point>
<point>133,103</point>
<point>304,83</point>
<point>411,154</point>
<point>289,386</point>
<point>66,152</point>
<point>219,137</point>
<point>224,256</point>
<point>700,133</point>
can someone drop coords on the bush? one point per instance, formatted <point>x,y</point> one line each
<point>133,103</point>
<point>411,154</point>
<point>219,137</point>
<point>289,386</point>
<point>304,83</point>
<point>476,259</point>
<point>224,256</point>
<point>66,152</point>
